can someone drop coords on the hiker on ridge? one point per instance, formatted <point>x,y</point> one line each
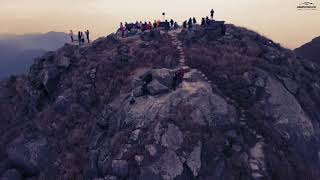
<point>184,24</point>
<point>171,22</point>
<point>82,37</point>
<point>207,20</point>
<point>211,14</point>
<point>166,26</point>
<point>79,37</point>
<point>87,34</point>
<point>190,24</point>
<point>203,22</point>
<point>194,21</point>
<point>71,35</point>
<point>122,29</point>
<point>176,26</point>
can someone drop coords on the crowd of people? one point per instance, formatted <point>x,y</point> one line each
<point>143,26</point>
<point>81,37</point>
<point>192,21</point>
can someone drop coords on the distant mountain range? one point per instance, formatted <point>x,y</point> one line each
<point>310,50</point>
<point>18,51</point>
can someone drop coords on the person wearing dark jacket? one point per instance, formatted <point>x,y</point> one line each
<point>167,26</point>
<point>190,24</point>
<point>194,21</point>
<point>184,24</point>
<point>211,14</point>
<point>174,81</point>
<point>87,34</point>
<point>144,89</point>
<point>171,22</point>
<point>79,37</point>
<point>203,22</point>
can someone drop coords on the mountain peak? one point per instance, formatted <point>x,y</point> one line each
<point>188,104</point>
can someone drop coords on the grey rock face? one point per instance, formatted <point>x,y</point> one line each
<point>290,118</point>
<point>155,88</point>
<point>169,166</point>
<point>172,138</point>
<point>194,160</point>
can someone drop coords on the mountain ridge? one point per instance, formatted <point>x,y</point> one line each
<point>247,109</point>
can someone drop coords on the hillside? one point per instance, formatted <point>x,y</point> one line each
<point>247,109</point>
<point>310,50</point>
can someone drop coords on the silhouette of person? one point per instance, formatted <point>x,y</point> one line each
<point>207,20</point>
<point>79,37</point>
<point>71,35</point>
<point>82,37</point>
<point>174,81</point>
<point>211,14</point>
<point>132,99</point>
<point>155,24</point>
<point>87,34</point>
<point>194,21</point>
<point>184,24</point>
<point>190,23</point>
<point>166,26</point>
<point>176,25</point>
<point>203,22</point>
<point>122,29</point>
<point>171,22</point>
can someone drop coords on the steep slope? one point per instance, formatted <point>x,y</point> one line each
<point>310,50</point>
<point>247,109</point>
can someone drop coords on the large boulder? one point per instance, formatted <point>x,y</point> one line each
<point>164,76</point>
<point>155,88</point>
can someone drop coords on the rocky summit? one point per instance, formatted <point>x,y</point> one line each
<point>247,109</point>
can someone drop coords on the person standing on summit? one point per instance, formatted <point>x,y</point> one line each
<point>211,14</point>
<point>87,34</point>
<point>171,23</point>
<point>122,29</point>
<point>194,21</point>
<point>190,24</point>
<point>79,37</point>
<point>71,35</point>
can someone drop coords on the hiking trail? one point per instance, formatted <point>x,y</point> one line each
<point>257,165</point>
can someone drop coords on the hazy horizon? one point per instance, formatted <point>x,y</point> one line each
<point>280,21</point>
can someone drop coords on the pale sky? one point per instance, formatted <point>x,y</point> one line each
<point>276,19</point>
